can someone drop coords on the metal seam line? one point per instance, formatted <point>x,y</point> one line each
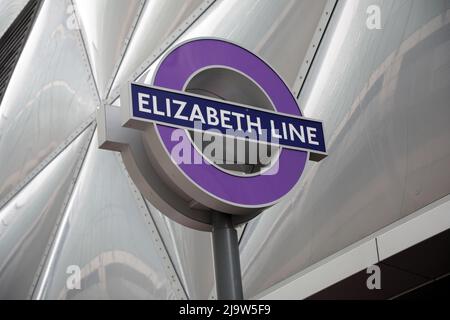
<point>183,284</point>
<point>72,136</point>
<point>183,27</point>
<point>243,231</point>
<point>419,286</point>
<point>307,63</point>
<point>173,275</point>
<point>87,62</point>
<point>41,166</point>
<point>158,243</point>
<point>124,49</point>
<point>376,247</point>
<point>314,46</point>
<point>76,173</point>
<point>177,258</point>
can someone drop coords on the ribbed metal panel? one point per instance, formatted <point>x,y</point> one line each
<point>13,41</point>
<point>9,11</point>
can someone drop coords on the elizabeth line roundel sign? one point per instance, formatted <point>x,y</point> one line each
<point>187,93</point>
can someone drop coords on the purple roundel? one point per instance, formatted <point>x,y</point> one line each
<point>253,191</point>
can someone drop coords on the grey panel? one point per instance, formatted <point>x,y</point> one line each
<point>191,253</point>
<point>9,10</point>
<point>159,19</point>
<point>279,31</point>
<point>383,96</point>
<point>48,97</point>
<point>105,233</point>
<point>107,26</point>
<point>13,41</point>
<point>28,220</point>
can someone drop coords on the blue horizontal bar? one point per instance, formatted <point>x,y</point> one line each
<point>180,109</point>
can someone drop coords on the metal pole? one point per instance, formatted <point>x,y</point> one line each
<point>226,258</point>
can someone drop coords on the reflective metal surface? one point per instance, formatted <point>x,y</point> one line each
<point>158,20</point>
<point>27,221</point>
<point>107,26</point>
<point>263,27</point>
<point>383,96</point>
<point>191,252</point>
<point>48,96</point>
<point>9,10</point>
<point>104,233</point>
<point>278,31</point>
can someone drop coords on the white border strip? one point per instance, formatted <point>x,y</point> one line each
<point>403,234</point>
<point>421,225</point>
<point>324,273</point>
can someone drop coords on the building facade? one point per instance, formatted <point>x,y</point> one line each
<point>377,72</point>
